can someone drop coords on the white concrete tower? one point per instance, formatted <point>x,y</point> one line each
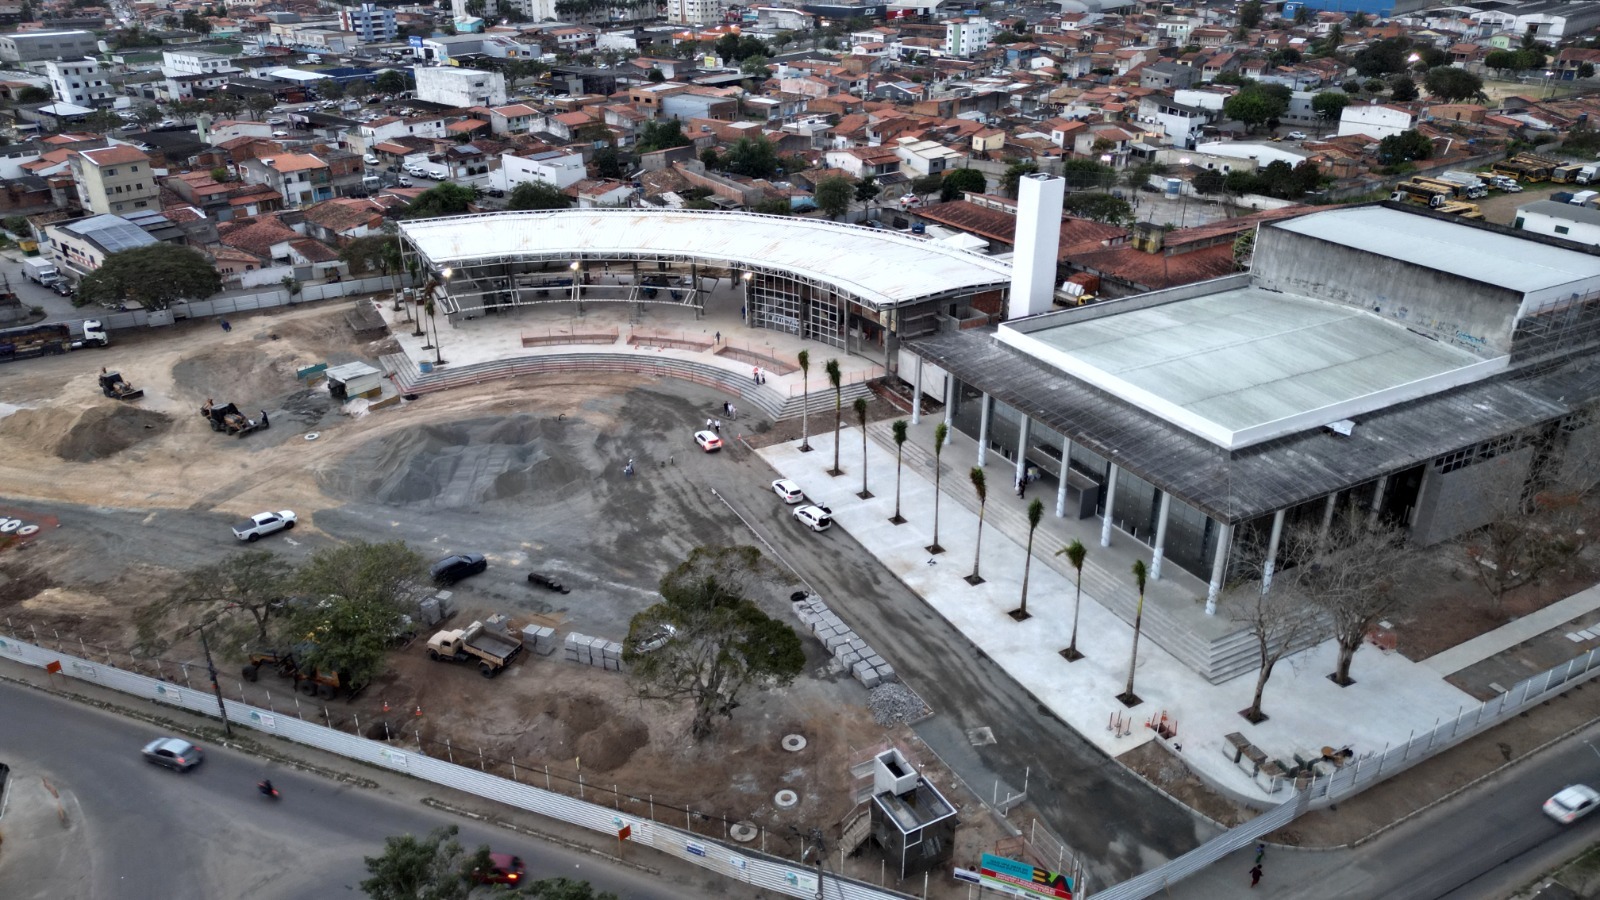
<point>1033,262</point>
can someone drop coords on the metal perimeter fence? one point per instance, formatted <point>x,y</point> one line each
<point>701,841</point>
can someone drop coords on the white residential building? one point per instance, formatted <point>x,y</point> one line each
<point>1375,120</point>
<point>967,37</point>
<point>694,12</point>
<point>1562,220</point>
<point>556,167</point>
<point>194,62</point>
<point>370,23</point>
<point>919,158</point>
<point>79,82</point>
<point>454,86</point>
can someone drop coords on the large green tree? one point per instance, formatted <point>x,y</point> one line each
<point>706,642</point>
<point>1328,105</point>
<point>1106,208</point>
<point>833,196</point>
<point>661,134</point>
<point>444,199</point>
<point>1252,107</point>
<point>1404,147</point>
<point>959,181</point>
<point>156,275</point>
<point>391,81</point>
<point>413,868</point>
<point>1451,84</point>
<point>752,157</point>
<point>537,195</point>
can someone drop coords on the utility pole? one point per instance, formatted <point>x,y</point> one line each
<point>222,709</point>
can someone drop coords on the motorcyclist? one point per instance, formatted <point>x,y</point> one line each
<point>266,786</point>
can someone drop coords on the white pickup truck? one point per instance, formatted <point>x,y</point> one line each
<point>264,523</point>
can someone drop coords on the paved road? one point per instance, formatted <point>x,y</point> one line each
<point>207,834</point>
<point>1482,845</point>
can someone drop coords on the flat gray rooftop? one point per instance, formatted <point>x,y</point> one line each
<point>1247,365</point>
<point>1443,245</point>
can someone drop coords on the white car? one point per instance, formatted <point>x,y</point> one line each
<point>264,523</point>
<point>708,441</point>
<point>1571,803</point>
<point>403,181</point>
<point>1297,135</point>
<point>788,491</point>
<point>815,518</point>
<point>370,160</point>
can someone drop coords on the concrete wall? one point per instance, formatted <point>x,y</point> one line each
<point>1581,462</point>
<point>1456,310</point>
<point>1459,501</point>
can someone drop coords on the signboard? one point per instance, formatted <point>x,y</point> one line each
<point>1020,879</point>
<point>801,880</point>
<point>414,41</point>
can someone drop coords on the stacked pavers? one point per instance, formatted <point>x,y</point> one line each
<point>848,649</point>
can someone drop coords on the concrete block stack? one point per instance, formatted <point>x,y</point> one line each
<point>852,653</point>
<point>593,651</point>
<point>540,639</point>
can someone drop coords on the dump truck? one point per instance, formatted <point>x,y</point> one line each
<point>113,385</point>
<point>227,418</point>
<point>491,644</point>
<point>50,338</point>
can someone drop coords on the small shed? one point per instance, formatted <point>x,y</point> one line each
<point>913,823</point>
<point>353,380</point>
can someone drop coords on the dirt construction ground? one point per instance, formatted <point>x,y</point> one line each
<point>131,495</point>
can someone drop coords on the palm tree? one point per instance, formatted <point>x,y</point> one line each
<point>832,368</point>
<point>939,433</point>
<point>899,428</point>
<point>861,416</point>
<point>982,488</point>
<point>1035,513</point>
<point>804,359</point>
<point>1129,698</point>
<point>1074,552</point>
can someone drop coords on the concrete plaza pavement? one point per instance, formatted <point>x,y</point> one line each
<point>1393,697</point>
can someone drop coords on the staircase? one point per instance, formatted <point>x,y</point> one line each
<point>1217,657</point>
<point>409,378</point>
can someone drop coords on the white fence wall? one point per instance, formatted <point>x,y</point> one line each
<point>237,303</point>
<point>732,861</point>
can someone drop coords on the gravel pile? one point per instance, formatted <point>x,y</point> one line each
<point>895,703</point>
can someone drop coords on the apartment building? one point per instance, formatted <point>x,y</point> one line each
<point>36,46</point>
<point>460,87</point>
<point>114,180</point>
<point>370,23</point>
<point>79,82</point>
<point>301,178</point>
<point>694,12</point>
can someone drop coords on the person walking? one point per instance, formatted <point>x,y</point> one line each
<point>264,422</point>
<point>717,426</point>
<point>717,339</point>
<point>1255,875</point>
<point>708,424</point>
<point>755,374</point>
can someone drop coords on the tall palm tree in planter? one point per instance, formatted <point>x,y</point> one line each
<point>804,358</point>
<point>834,377</point>
<point>1128,697</point>
<point>1035,513</point>
<point>860,407</point>
<point>939,434</point>
<point>1075,553</point>
<point>900,429</point>
<point>979,485</point>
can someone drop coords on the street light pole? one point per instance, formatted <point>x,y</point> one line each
<point>1183,195</point>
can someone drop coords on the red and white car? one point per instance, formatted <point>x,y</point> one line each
<point>708,441</point>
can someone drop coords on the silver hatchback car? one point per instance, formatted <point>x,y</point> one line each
<point>174,753</point>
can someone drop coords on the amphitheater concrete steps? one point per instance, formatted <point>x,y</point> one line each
<point>1218,659</point>
<point>409,378</point>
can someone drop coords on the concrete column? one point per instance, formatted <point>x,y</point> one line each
<point>1061,487</point>
<point>1272,550</point>
<point>916,395</point>
<point>1161,536</point>
<point>1022,449</point>
<point>1111,502</point>
<point>1327,513</point>
<point>950,392</point>
<point>983,428</point>
<point>1036,245</point>
<point>1219,568</point>
<point>1377,501</point>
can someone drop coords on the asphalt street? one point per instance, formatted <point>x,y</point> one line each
<point>208,834</point>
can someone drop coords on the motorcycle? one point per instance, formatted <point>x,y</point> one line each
<point>266,789</point>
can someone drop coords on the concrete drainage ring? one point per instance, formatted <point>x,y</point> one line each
<point>785,798</point>
<point>794,743</point>
<point>743,832</point>
<point>313,435</point>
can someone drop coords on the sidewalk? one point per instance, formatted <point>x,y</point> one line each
<point>1393,697</point>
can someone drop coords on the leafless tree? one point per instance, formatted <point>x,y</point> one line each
<point>1272,608</point>
<point>1348,571</point>
<point>1536,521</point>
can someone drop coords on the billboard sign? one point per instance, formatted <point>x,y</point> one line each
<point>1020,879</point>
<point>415,41</point>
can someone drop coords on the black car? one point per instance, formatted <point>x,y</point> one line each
<point>63,287</point>
<point>453,568</point>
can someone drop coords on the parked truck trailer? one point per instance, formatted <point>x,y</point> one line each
<point>49,338</point>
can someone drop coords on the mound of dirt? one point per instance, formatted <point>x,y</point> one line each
<point>249,377</point>
<point>105,431</point>
<point>461,464</point>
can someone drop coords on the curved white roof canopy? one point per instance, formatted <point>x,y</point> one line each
<point>883,268</point>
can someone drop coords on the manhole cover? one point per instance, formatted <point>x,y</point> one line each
<point>980,736</point>
<point>785,799</point>
<point>743,832</point>
<point>794,743</point>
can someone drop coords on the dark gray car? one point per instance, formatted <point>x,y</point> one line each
<point>174,753</point>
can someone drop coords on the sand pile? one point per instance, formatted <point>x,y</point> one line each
<point>461,464</point>
<point>105,431</point>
